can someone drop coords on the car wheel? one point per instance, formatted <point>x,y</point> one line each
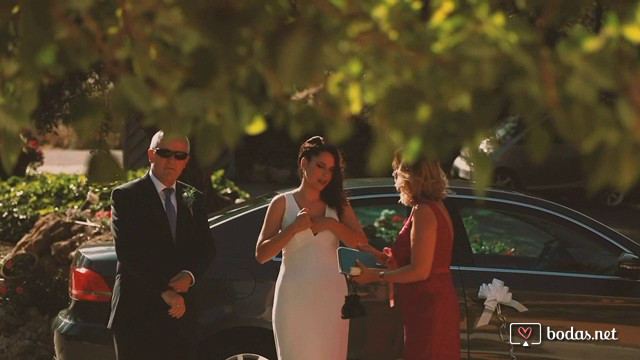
<point>505,179</point>
<point>611,198</point>
<point>246,356</point>
<point>240,344</point>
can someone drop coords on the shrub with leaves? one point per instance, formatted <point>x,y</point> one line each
<point>48,292</point>
<point>24,200</point>
<point>224,186</point>
<point>387,227</point>
<point>483,244</point>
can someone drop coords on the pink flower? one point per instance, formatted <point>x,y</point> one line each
<point>19,290</point>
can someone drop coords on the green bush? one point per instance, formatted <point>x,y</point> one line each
<point>226,187</point>
<point>23,200</point>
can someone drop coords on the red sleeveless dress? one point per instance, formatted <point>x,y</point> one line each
<point>429,307</point>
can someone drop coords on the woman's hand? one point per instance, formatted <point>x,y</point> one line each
<point>381,258</point>
<point>302,222</point>
<point>367,275</point>
<point>321,223</point>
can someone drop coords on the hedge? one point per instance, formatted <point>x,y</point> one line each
<point>23,200</point>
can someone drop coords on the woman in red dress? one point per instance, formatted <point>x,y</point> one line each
<point>419,264</point>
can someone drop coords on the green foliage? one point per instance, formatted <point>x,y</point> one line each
<point>223,186</point>
<point>47,290</point>
<point>24,200</point>
<point>480,244</point>
<point>387,227</point>
<point>434,74</point>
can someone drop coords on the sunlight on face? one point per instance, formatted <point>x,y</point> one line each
<point>319,170</point>
<point>167,170</point>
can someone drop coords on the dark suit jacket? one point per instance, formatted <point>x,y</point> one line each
<point>147,255</point>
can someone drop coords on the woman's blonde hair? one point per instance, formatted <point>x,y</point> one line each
<point>421,180</point>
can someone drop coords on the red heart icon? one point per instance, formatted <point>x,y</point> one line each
<point>525,332</point>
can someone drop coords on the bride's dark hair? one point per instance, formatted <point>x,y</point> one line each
<point>333,194</point>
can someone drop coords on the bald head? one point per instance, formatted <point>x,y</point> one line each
<point>168,157</point>
<point>159,137</point>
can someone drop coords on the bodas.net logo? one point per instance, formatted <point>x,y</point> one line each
<point>525,334</point>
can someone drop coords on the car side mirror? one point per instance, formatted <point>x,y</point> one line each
<point>629,266</point>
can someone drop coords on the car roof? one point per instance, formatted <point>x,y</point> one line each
<point>359,187</point>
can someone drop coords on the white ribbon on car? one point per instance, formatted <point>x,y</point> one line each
<point>495,294</point>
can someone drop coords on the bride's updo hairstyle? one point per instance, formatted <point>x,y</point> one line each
<point>333,194</point>
<point>420,181</point>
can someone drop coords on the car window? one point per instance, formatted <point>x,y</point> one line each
<point>508,129</point>
<point>526,239</point>
<point>381,221</point>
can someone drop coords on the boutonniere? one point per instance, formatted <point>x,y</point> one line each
<point>189,197</point>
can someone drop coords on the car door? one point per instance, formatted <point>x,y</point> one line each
<point>380,334</point>
<point>563,272</point>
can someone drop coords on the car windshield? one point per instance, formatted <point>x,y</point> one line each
<point>508,130</point>
<point>503,133</point>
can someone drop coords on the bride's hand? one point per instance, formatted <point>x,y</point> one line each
<point>321,223</point>
<point>381,258</point>
<point>302,222</point>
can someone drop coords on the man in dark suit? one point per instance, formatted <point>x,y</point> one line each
<point>163,244</point>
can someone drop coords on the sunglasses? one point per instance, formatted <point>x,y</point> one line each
<point>166,153</point>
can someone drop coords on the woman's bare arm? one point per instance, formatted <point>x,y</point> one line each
<point>423,245</point>
<point>347,229</point>
<point>271,240</point>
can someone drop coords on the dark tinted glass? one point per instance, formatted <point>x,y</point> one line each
<point>166,153</point>
<point>513,238</point>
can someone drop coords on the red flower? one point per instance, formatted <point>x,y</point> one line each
<point>8,264</point>
<point>4,290</point>
<point>103,214</point>
<point>33,144</point>
<point>397,218</point>
<point>511,251</point>
<point>19,290</point>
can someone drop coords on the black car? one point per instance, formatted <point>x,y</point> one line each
<point>509,150</point>
<point>576,277</point>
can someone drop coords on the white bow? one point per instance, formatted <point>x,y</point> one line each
<point>495,293</point>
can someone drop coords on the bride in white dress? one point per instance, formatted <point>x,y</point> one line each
<point>307,224</point>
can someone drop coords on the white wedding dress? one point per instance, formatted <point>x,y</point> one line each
<point>309,295</point>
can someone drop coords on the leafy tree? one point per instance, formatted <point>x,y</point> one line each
<point>427,75</point>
